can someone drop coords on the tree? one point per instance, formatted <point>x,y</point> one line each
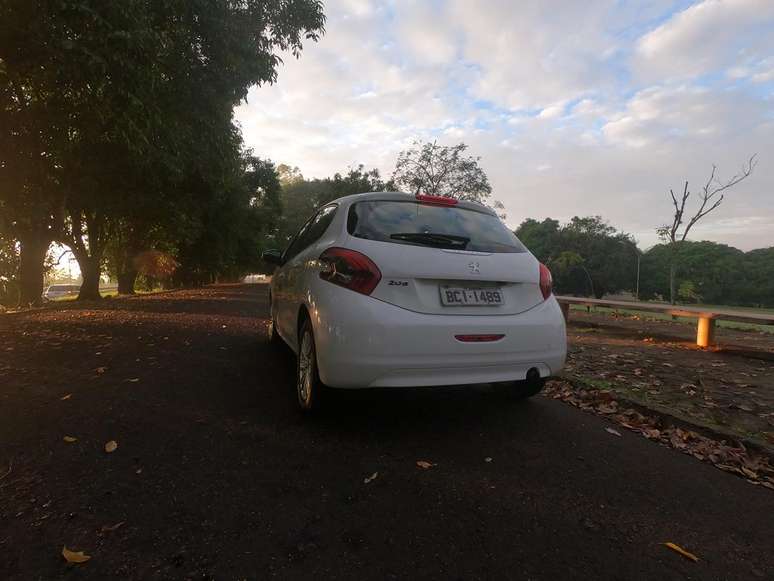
<point>586,255</point>
<point>710,198</point>
<point>436,170</point>
<point>301,197</point>
<point>94,93</point>
<point>757,286</point>
<point>688,293</point>
<point>242,213</point>
<point>719,274</point>
<point>542,238</point>
<point>9,265</point>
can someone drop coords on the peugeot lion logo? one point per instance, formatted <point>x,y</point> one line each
<point>474,269</point>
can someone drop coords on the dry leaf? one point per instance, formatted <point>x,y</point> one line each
<point>111,528</point>
<point>488,459</point>
<point>371,478</point>
<point>68,396</point>
<point>424,464</point>
<point>101,370</point>
<point>74,556</point>
<point>612,431</point>
<point>683,552</point>
<point>133,380</point>
<point>111,446</point>
<point>70,439</point>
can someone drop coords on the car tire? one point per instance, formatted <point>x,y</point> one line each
<point>310,390</point>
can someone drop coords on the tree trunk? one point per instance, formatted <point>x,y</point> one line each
<point>32,255</point>
<point>90,271</point>
<point>126,280</point>
<point>672,282</point>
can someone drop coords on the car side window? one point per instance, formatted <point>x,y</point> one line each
<point>311,232</point>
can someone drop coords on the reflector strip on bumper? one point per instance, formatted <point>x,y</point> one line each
<point>478,338</point>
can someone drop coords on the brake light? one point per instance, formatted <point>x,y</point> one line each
<point>437,200</point>
<point>546,281</point>
<point>350,269</point>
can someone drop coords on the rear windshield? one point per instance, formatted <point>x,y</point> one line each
<point>426,225</point>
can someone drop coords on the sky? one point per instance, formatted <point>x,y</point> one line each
<point>583,108</point>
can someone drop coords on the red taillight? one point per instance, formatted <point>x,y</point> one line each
<point>546,281</point>
<point>437,200</point>
<point>350,269</point>
<point>478,338</point>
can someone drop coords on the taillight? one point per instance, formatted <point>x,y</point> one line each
<point>350,269</point>
<point>436,200</point>
<point>546,281</point>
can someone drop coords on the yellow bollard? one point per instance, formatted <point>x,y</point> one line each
<point>705,333</point>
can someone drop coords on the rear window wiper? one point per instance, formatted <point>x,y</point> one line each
<point>432,239</point>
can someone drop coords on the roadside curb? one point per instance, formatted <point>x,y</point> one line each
<point>729,454</point>
<point>674,421</point>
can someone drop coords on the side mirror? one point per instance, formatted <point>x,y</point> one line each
<point>272,257</point>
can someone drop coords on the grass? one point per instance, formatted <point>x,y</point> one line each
<point>105,294</point>
<point>690,320</point>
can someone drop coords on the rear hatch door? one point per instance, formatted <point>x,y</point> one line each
<point>444,259</point>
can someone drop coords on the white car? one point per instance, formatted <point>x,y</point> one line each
<point>58,291</point>
<point>394,290</point>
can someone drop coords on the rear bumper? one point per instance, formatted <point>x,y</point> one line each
<point>364,342</point>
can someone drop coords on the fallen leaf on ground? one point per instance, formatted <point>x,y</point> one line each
<point>101,369</point>
<point>612,431</point>
<point>371,478</point>
<point>681,551</point>
<point>111,528</point>
<point>424,464</point>
<point>70,439</point>
<point>68,396</point>
<point>74,556</point>
<point>488,459</point>
<point>111,446</point>
<point>133,380</point>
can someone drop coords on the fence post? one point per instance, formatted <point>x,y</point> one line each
<point>565,311</point>
<point>705,332</point>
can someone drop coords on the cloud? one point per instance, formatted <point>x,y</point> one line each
<point>575,109</point>
<point>706,37</point>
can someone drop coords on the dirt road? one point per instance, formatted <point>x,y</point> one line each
<point>217,476</point>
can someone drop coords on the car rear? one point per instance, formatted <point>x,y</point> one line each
<point>431,291</point>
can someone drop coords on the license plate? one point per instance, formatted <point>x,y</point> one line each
<point>452,296</point>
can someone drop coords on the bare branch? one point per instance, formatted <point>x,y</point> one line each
<point>710,194</point>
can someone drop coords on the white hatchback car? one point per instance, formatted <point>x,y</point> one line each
<point>393,290</point>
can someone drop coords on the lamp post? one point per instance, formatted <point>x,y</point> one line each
<point>638,254</point>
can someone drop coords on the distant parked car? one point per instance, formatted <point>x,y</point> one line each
<point>58,291</point>
<point>393,290</point>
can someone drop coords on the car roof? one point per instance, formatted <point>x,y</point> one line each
<point>404,197</point>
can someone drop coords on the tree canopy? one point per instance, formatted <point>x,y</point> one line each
<point>587,256</point>
<point>117,116</point>
<point>437,170</point>
<point>301,197</point>
<point>715,274</point>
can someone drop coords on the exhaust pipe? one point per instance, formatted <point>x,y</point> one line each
<point>533,375</point>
